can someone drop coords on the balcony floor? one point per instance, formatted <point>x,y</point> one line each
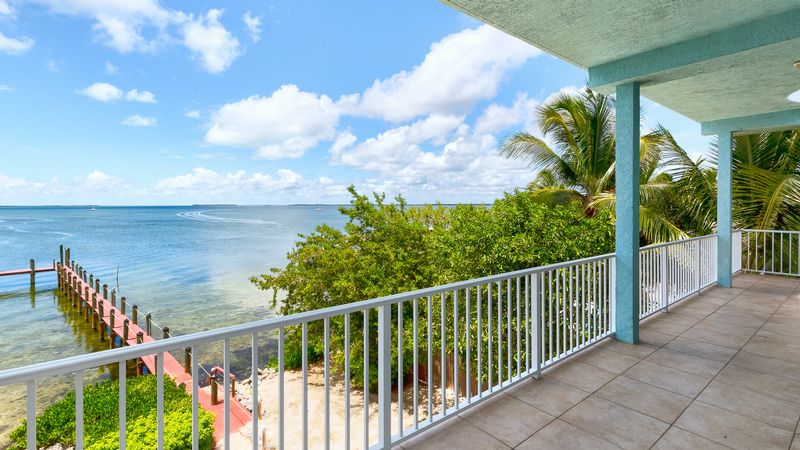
<point>720,370</point>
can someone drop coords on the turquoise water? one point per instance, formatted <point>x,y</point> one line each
<point>188,266</point>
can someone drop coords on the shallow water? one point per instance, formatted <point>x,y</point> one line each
<point>188,266</point>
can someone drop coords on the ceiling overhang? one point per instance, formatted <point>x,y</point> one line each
<point>723,63</point>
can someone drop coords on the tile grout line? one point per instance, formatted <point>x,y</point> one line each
<point>724,367</point>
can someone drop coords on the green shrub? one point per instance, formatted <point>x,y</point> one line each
<point>56,424</point>
<point>387,248</point>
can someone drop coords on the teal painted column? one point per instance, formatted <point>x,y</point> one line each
<point>627,236</point>
<point>724,208</point>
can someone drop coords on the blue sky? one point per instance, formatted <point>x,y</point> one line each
<point>147,102</point>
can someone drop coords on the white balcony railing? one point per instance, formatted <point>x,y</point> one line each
<point>771,252</point>
<point>467,342</point>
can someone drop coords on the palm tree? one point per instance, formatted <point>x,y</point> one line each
<point>581,162</point>
<point>766,180</point>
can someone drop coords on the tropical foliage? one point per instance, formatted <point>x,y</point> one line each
<point>56,424</point>
<point>388,247</point>
<point>576,159</point>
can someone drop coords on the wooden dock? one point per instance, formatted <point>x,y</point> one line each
<point>119,323</point>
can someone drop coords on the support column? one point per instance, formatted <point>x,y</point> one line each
<point>627,233</point>
<point>724,208</point>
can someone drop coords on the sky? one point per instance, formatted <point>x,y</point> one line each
<point>139,102</point>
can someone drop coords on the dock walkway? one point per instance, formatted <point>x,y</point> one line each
<point>115,326</point>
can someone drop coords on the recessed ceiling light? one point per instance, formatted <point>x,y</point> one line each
<point>794,97</point>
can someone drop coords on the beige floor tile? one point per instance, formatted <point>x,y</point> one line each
<point>456,433</point>
<point>731,429</point>
<point>615,423</point>
<point>765,364</point>
<point>548,395</point>
<point>608,360</point>
<point>665,327</point>
<point>653,337</point>
<point>682,317</point>
<point>637,351</point>
<point>563,436</point>
<point>679,439</point>
<point>796,443</point>
<point>664,377</point>
<point>772,347</point>
<point>773,385</point>
<point>686,362</point>
<point>644,398</point>
<point>721,292</point>
<point>507,419</point>
<point>738,319</point>
<point>720,325</point>
<point>581,375</point>
<point>715,337</point>
<point>752,404</point>
<point>702,349</point>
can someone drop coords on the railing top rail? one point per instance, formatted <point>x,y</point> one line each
<point>86,361</point>
<point>769,231</point>
<point>680,241</point>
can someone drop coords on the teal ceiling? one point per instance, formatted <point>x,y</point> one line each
<point>722,61</point>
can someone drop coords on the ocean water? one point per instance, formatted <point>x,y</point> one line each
<point>188,266</point>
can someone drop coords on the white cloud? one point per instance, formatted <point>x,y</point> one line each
<point>15,46</point>
<point>147,26</point>
<point>193,114</point>
<point>6,88</point>
<point>99,181</point>
<point>135,95</point>
<point>207,182</point>
<point>106,92</point>
<point>343,141</point>
<point>283,125</point>
<point>391,149</point>
<point>111,69</point>
<point>457,72</point>
<point>496,118</point>
<point>253,24</point>
<point>139,121</point>
<point>5,8</point>
<point>103,92</point>
<point>211,43</point>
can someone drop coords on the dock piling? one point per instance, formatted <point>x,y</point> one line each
<point>33,273</point>
<point>91,279</point>
<point>166,332</point>
<point>139,362</point>
<point>111,337</point>
<point>125,332</point>
<point>114,298</point>
<point>102,326</point>
<point>61,253</point>
<point>93,314</point>
<point>135,314</point>
<point>105,291</point>
<point>149,324</point>
<point>187,359</point>
<point>122,306</point>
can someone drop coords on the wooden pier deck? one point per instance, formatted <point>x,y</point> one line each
<point>117,328</point>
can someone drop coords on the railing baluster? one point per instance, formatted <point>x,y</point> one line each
<point>281,391</point>
<point>226,364</point>
<point>384,376</point>
<point>455,348</point>
<point>305,384</point>
<point>160,400</point>
<point>366,378</point>
<point>509,344</point>
<point>416,362</point>
<point>490,336</point>
<point>347,381</point>
<point>254,381</point>
<point>443,362</point>
<point>79,410</point>
<point>467,333</point>
<point>429,370</point>
<point>327,368</point>
<point>195,395</point>
<point>123,399</point>
<point>400,367</point>
<point>31,412</point>
<point>479,340</point>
